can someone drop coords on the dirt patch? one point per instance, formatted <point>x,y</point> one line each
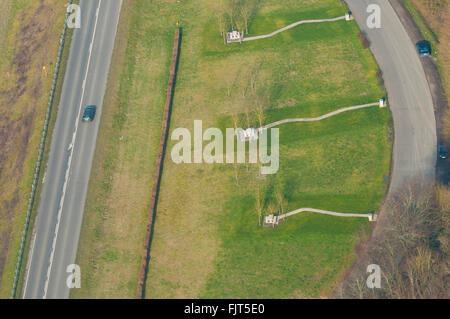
<point>411,252</point>
<point>30,38</point>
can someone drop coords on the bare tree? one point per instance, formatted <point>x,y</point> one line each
<point>247,117</point>
<point>235,119</point>
<point>253,79</point>
<point>280,200</point>
<point>246,8</point>
<point>230,8</point>
<point>230,80</point>
<point>235,164</point>
<point>260,115</point>
<point>222,23</point>
<point>220,15</point>
<point>244,89</point>
<point>259,203</point>
<point>239,22</point>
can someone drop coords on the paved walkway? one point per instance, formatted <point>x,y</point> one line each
<point>320,211</point>
<point>290,27</point>
<point>345,109</point>
<point>313,210</point>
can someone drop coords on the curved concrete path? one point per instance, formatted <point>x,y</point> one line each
<point>320,211</point>
<point>410,101</point>
<point>258,37</point>
<point>313,210</point>
<point>312,119</point>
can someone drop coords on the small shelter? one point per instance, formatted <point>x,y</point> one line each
<point>271,220</point>
<point>235,36</point>
<point>250,134</point>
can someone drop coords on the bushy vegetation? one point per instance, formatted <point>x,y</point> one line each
<point>208,241</point>
<point>411,247</point>
<point>235,15</point>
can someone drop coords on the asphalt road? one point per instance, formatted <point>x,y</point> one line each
<point>410,100</point>
<point>60,212</point>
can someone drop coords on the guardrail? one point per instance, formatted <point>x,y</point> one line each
<point>159,164</point>
<point>41,154</point>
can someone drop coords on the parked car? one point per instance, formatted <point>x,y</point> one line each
<point>441,152</point>
<point>89,113</point>
<point>423,48</point>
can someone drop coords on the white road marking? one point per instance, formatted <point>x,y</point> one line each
<point>28,265</point>
<point>77,120</point>
<point>321,211</point>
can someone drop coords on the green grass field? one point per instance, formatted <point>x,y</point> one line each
<point>207,240</point>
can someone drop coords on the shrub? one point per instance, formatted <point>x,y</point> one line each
<point>364,41</point>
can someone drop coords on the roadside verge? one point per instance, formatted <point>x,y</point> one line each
<point>440,102</point>
<point>159,166</point>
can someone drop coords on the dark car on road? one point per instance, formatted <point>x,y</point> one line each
<point>89,113</point>
<point>441,152</point>
<point>423,48</point>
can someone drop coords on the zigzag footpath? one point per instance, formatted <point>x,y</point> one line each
<point>321,211</point>
<point>258,37</point>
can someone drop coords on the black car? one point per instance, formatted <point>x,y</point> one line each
<point>441,152</point>
<point>89,113</point>
<point>423,48</point>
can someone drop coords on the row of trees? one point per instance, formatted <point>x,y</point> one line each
<point>235,15</point>
<point>410,244</point>
<point>269,200</point>
<point>246,120</point>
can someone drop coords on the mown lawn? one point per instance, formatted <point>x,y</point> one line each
<point>207,240</point>
<point>113,228</point>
